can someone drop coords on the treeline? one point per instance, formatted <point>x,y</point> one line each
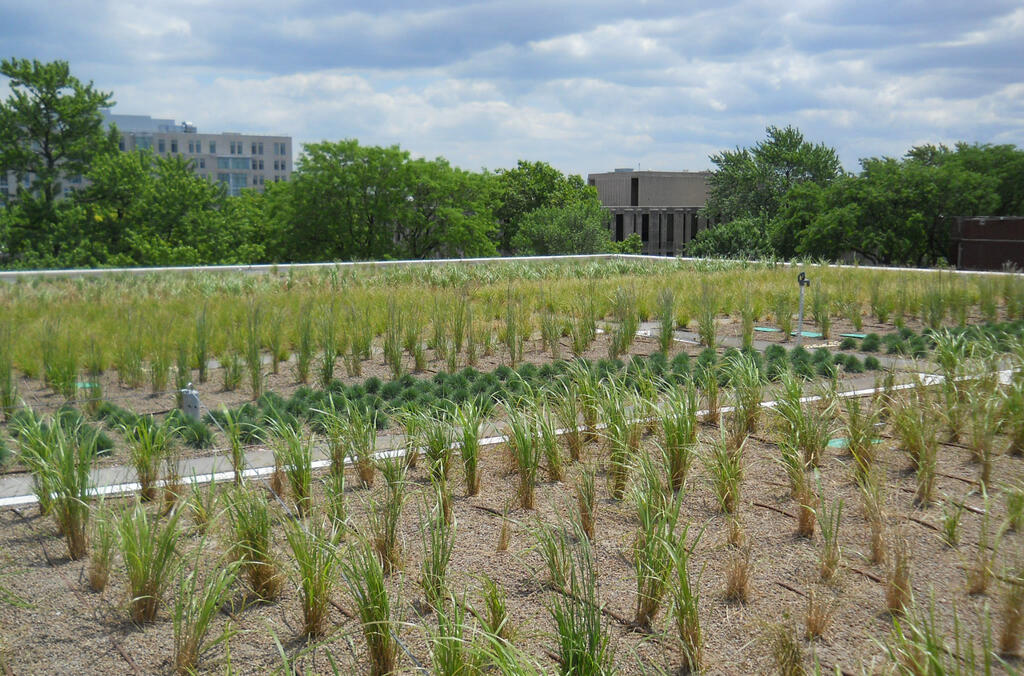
<point>345,202</point>
<point>785,198</point>
<point>79,202</point>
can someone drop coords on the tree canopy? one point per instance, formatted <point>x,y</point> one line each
<point>752,182</point>
<point>51,128</point>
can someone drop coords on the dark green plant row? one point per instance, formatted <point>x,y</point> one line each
<point>447,390</point>
<point>907,342</point>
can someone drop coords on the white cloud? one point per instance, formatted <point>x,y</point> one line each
<point>585,85</point>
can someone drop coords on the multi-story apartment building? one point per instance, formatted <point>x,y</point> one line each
<point>663,207</point>
<point>237,160</point>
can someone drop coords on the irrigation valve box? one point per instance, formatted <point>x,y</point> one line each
<point>190,402</point>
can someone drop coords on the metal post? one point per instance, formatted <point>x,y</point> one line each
<point>802,280</point>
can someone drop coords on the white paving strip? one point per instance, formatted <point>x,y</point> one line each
<point>927,379</point>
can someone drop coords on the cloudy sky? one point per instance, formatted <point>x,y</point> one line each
<point>585,85</point>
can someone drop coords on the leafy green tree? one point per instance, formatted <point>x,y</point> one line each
<point>530,186</point>
<point>141,209</point>
<point>745,237</point>
<point>631,245</point>
<point>898,211</point>
<point>448,213</point>
<point>344,202</point>
<point>51,128</point>
<point>577,228</point>
<point>752,182</point>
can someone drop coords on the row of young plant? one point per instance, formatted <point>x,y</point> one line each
<point>71,332</point>
<point>654,484</point>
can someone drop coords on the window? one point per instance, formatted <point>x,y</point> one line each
<point>143,142</point>
<point>120,145</point>
<point>253,148</point>
<point>161,146</point>
<point>618,227</point>
<point>202,163</point>
<point>255,164</point>
<point>670,225</point>
<point>634,192</point>
<point>232,163</point>
<point>645,227</point>
<point>213,147</point>
<point>191,147</point>
<point>260,146</point>
<point>261,165</point>
<point>199,146</point>
<point>174,146</point>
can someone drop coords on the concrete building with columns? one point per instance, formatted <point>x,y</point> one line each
<point>663,207</point>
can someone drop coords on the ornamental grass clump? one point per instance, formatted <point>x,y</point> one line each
<point>707,310</point>
<point>679,433</point>
<point>495,617</point>
<point>437,434</point>
<point>897,583</point>
<point>61,462</point>
<point>666,318</point>
<point>526,452</point>
<point>314,550</point>
<point>451,651</point>
<point>831,555</point>
<point>568,410</point>
<point>198,601</point>
<point>438,535</point>
<point>724,465</point>
<point>8,380</point>
<point>293,452</point>
<point>101,554</point>
<point>149,552</point>
<point>861,423</point>
<point>366,579</point>
<point>253,349</point>
<point>469,417</point>
<point>1012,399</point>
<point>871,487</point>
<point>385,518</point>
<point>622,436</point>
<point>653,544</point>
<point>361,442</point>
<point>149,443</point>
<point>804,425</point>
<point>627,321</point>
<point>547,437</point>
<point>685,594</point>
<point>583,639</point>
<point>1012,613</point>
<point>586,499</point>
<point>251,527</point>
<point>914,423</point>
<point>747,381</point>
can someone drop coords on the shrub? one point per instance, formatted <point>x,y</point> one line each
<point>871,343</point>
